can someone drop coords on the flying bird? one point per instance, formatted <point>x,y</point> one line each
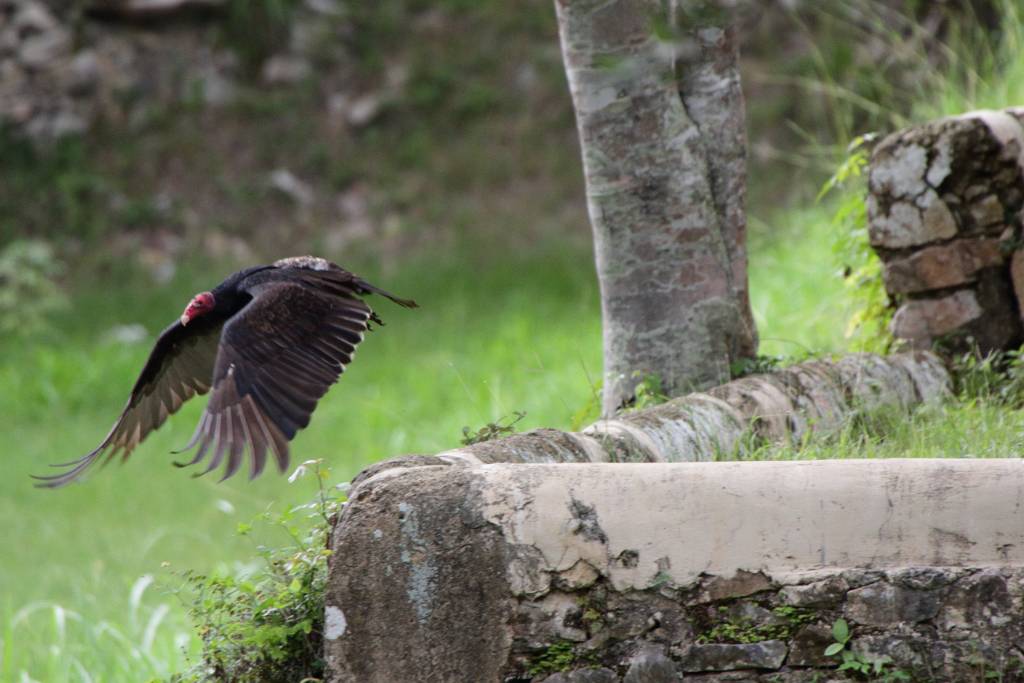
<point>268,341</point>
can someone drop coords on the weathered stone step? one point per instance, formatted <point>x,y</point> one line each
<point>516,571</point>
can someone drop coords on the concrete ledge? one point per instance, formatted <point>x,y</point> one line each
<point>511,572</point>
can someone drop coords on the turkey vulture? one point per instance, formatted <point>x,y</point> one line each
<point>269,341</point>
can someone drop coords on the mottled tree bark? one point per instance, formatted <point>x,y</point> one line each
<point>665,175</point>
<point>709,83</point>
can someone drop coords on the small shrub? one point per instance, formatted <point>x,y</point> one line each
<point>648,391</point>
<point>868,325</point>
<point>268,625</point>
<point>996,377</point>
<point>28,288</point>
<point>864,667</point>
<point>560,656</point>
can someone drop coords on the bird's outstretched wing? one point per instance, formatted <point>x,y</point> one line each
<point>278,356</point>
<point>180,366</point>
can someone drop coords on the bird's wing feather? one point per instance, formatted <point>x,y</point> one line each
<point>278,356</point>
<point>179,367</point>
<point>330,277</point>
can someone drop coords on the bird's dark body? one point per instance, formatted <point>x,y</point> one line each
<point>269,345</point>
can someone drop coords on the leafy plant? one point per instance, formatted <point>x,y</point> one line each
<point>268,624</point>
<point>757,365</point>
<point>868,325</point>
<point>492,430</point>
<point>841,634</point>
<point>875,669</point>
<point>648,391</point>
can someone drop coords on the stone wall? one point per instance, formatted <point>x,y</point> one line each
<point>682,571</point>
<point>944,213</point>
<point>924,623</point>
<point>66,66</point>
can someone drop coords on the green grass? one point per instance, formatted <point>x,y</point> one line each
<point>796,291</point>
<point>954,430</point>
<point>983,72</point>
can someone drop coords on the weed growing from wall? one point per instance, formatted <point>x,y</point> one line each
<point>877,669</point>
<point>502,427</point>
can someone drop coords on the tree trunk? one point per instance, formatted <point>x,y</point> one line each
<point>663,154</point>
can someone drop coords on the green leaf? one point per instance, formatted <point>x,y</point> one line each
<point>295,586</point>
<point>841,631</point>
<point>833,649</point>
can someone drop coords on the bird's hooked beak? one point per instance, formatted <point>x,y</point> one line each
<point>190,312</point>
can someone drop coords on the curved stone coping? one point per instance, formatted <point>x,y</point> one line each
<point>818,395</point>
<point>457,563</point>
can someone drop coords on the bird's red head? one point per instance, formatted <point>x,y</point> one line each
<point>201,303</point>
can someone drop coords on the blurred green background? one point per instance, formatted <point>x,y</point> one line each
<point>430,147</point>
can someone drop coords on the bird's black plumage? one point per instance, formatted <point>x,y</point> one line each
<point>275,339</point>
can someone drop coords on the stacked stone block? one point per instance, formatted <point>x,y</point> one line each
<point>944,215</point>
<point>920,623</point>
